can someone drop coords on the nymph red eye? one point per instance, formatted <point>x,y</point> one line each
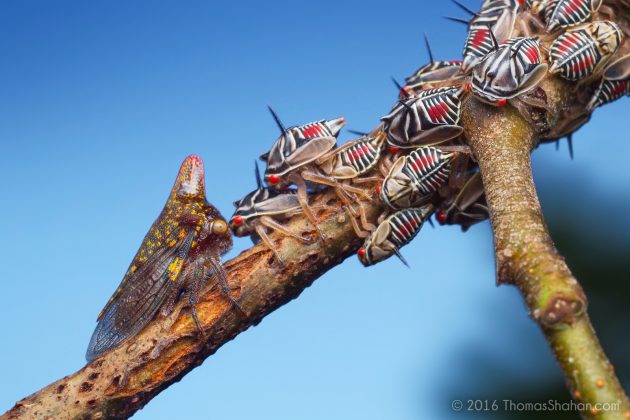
<point>238,220</point>
<point>274,179</point>
<point>361,253</point>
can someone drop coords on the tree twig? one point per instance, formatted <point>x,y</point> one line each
<point>122,381</point>
<point>526,257</point>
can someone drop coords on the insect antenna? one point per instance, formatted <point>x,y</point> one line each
<point>431,223</point>
<point>257,172</point>
<point>278,122</point>
<point>456,19</point>
<point>464,8</point>
<point>402,259</point>
<point>358,133</point>
<point>570,141</point>
<point>428,45</point>
<point>400,88</point>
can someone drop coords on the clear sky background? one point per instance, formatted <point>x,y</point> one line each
<point>101,101</point>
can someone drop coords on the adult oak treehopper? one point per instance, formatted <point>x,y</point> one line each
<point>179,255</point>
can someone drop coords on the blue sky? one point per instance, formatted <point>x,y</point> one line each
<point>101,101</point>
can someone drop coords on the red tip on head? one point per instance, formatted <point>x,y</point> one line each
<point>378,188</point>
<point>237,220</point>
<point>190,178</point>
<point>468,87</point>
<point>501,102</point>
<point>393,149</point>
<point>273,179</point>
<point>361,253</point>
<point>441,217</point>
<point>196,158</point>
<point>192,161</point>
<point>521,1</point>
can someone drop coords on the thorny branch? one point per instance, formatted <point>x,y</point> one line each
<point>527,258</point>
<point>124,380</point>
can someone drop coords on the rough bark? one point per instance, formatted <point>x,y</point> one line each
<point>122,381</point>
<point>527,257</point>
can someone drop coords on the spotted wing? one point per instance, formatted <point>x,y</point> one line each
<point>141,295</point>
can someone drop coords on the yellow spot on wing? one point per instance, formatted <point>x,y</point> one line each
<point>174,268</point>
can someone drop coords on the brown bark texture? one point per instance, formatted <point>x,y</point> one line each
<point>501,139</point>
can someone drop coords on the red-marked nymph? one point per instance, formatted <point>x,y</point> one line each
<point>615,83</point>
<point>467,207</point>
<point>392,234</point>
<point>512,69</point>
<point>294,153</point>
<point>298,146</point>
<point>180,254</point>
<point>348,165</point>
<point>565,13</point>
<point>263,209</point>
<point>496,19</point>
<point>584,50</point>
<point>430,117</point>
<point>436,71</point>
<point>414,178</point>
